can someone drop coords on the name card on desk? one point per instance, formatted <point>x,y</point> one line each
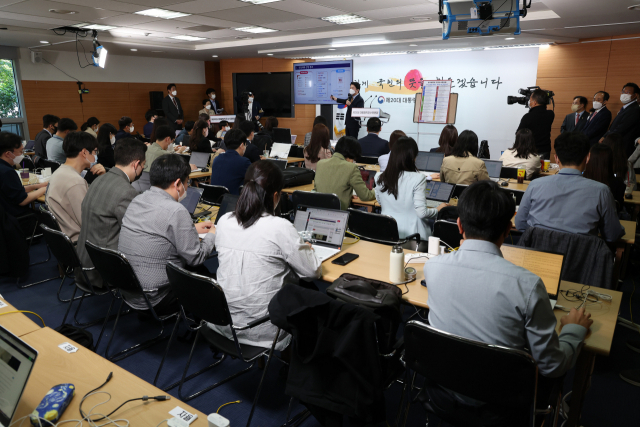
<point>218,119</point>
<point>365,112</point>
<point>2,304</point>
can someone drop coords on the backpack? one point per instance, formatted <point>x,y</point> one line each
<point>483,152</point>
<point>79,335</point>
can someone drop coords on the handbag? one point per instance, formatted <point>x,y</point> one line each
<point>294,176</point>
<point>483,152</point>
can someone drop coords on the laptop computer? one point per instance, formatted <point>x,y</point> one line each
<point>280,150</point>
<point>201,160</point>
<point>282,164</point>
<point>16,363</point>
<point>546,265</point>
<point>429,163</point>
<point>327,227</point>
<point>438,193</point>
<point>227,205</point>
<point>191,201</point>
<point>282,135</point>
<point>30,145</point>
<point>493,167</point>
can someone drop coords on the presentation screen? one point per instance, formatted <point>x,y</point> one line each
<point>315,82</point>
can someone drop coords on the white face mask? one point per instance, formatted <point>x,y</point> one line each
<point>250,100</point>
<point>113,140</point>
<point>352,92</point>
<point>597,105</point>
<point>171,147</point>
<point>227,128</point>
<point>181,198</point>
<point>208,107</point>
<point>94,162</point>
<point>18,159</point>
<point>625,98</point>
<point>174,93</point>
<point>213,97</point>
<point>131,129</point>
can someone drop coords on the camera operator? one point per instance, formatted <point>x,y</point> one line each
<point>539,120</point>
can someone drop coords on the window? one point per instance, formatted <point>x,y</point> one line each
<point>9,104</point>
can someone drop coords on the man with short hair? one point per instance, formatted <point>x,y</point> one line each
<point>211,95</point>
<point>229,168</point>
<point>600,118</point>
<point>319,120</point>
<point>251,152</point>
<point>156,230</point>
<point>49,128</point>
<point>165,136</point>
<point>372,145</point>
<point>577,119</point>
<point>353,101</point>
<point>464,285</point>
<point>67,188</point>
<point>106,202</point>
<point>126,128</point>
<point>183,137</point>
<point>539,120</point>
<point>627,122</point>
<point>150,116</point>
<point>172,107</point>
<point>55,151</point>
<point>567,201</point>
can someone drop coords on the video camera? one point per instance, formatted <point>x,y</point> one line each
<point>524,100</point>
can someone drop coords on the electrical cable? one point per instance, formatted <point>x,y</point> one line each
<point>228,403</point>
<point>78,54</point>
<point>25,311</point>
<point>63,72</point>
<point>354,236</point>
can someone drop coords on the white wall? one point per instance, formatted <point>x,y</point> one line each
<point>128,69</point>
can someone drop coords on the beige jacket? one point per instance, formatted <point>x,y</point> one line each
<point>207,112</point>
<point>463,170</point>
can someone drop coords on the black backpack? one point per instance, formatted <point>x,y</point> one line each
<point>79,335</point>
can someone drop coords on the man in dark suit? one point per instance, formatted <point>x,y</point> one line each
<point>229,168</point>
<point>106,202</point>
<point>372,145</point>
<point>576,120</point>
<point>50,127</point>
<point>539,120</point>
<point>353,101</point>
<point>247,106</point>
<point>627,122</point>
<point>211,96</point>
<point>172,107</point>
<point>598,122</point>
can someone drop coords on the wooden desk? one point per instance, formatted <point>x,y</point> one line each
<point>194,175</point>
<point>290,190</point>
<point>550,172</point>
<point>86,370</point>
<point>294,160</point>
<point>629,232</point>
<point>16,323</point>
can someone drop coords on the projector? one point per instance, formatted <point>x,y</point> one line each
<point>471,18</point>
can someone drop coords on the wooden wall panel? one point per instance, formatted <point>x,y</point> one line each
<point>47,97</point>
<point>212,78</point>
<point>574,60</point>
<point>107,102</point>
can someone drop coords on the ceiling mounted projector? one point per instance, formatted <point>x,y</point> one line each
<point>473,18</point>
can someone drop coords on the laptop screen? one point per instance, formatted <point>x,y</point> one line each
<point>327,225</point>
<point>439,191</point>
<point>227,205</point>
<point>282,164</point>
<point>193,198</point>
<point>16,363</point>
<point>280,149</point>
<point>282,135</point>
<point>201,160</point>
<point>546,265</point>
<point>429,162</point>
<point>493,167</point>
<point>30,145</point>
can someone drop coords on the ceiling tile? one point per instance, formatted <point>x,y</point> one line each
<point>217,34</point>
<point>402,11</point>
<point>53,22</point>
<point>203,6</point>
<point>360,6</point>
<point>206,20</point>
<point>105,4</point>
<point>41,8</point>
<point>126,20</point>
<point>8,2</point>
<point>406,20</point>
<point>305,8</point>
<point>255,15</point>
<point>156,3</point>
<point>4,21</point>
<point>301,24</point>
<point>167,25</point>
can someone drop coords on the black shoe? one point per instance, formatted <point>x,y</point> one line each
<point>632,376</point>
<point>634,345</point>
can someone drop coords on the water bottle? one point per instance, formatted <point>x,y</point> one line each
<point>396,265</point>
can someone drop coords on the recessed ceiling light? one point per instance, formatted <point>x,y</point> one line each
<point>634,7</point>
<point>349,18</point>
<point>214,56</point>
<point>420,18</point>
<point>413,45</point>
<point>63,11</point>
<point>188,38</point>
<point>331,49</point>
<point>95,27</point>
<point>269,54</point>
<point>510,38</point>
<point>162,13</point>
<point>255,30</point>
<point>43,41</point>
<point>259,1</point>
<point>134,50</point>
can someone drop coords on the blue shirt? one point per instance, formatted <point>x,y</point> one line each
<point>147,129</point>
<point>12,192</point>
<point>570,203</point>
<point>228,170</point>
<point>55,151</point>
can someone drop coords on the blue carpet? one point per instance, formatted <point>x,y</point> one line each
<point>610,402</point>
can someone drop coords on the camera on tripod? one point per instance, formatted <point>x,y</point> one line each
<point>524,100</point>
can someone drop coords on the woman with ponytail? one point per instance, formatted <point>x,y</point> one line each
<point>258,252</point>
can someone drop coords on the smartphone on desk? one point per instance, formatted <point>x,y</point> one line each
<point>345,259</point>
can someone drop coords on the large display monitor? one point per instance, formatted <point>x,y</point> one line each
<point>315,82</point>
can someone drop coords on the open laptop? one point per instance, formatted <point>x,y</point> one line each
<point>494,167</point>
<point>30,145</point>
<point>546,265</point>
<point>428,162</point>
<point>282,164</point>
<point>228,204</point>
<point>282,135</point>
<point>280,150</point>
<point>201,160</point>
<point>327,228</point>
<point>438,193</point>
<point>191,201</point>
<point>16,363</point>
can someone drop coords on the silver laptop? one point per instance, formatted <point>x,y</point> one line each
<point>494,167</point>
<point>280,150</point>
<point>429,162</point>
<point>327,227</point>
<point>438,193</point>
<point>201,160</point>
<point>16,363</point>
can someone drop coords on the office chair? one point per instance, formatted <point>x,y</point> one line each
<point>368,160</point>
<point>378,228</point>
<point>49,164</point>
<point>212,194</point>
<point>315,200</point>
<point>506,172</point>
<point>457,192</point>
<point>143,183</point>
<point>504,378</point>
<point>296,151</point>
<point>447,232</point>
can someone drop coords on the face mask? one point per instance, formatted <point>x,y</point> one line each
<point>597,105</point>
<point>95,160</point>
<point>174,93</point>
<point>113,140</point>
<point>625,98</point>
<point>352,92</point>
<point>131,129</point>
<point>18,159</point>
<point>227,128</point>
<point>137,176</point>
<point>574,107</point>
<point>208,107</point>
<point>181,198</point>
<point>213,97</point>
<point>171,147</point>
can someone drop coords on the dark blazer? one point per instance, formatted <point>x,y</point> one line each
<point>252,152</point>
<point>597,125</point>
<point>103,208</point>
<point>41,143</point>
<point>569,123</point>
<point>357,102</point>
<point>373,146</point>
<point>204,146</point>
<point>228,170</point>
<point>627,124</point>
<point>171,112</point>
<point>539,120</point>
<point>121,134</point>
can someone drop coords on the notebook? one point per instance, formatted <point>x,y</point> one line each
<point>438,193</point>
<point>16,363</point>
<point>280,150</point>
<point>327,227</point>
<point>429,163</point>
<point>201,160</point>
<point>494,167</point>
<point>191,201</point>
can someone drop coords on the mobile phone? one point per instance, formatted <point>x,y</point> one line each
<point>345,259</point>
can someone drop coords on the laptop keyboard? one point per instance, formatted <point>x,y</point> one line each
<point>433,203</point>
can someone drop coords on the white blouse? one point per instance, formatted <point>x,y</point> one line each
<point>531,164</point>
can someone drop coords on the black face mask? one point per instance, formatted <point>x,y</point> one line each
<point>55,129</point>
<point>137,176</point>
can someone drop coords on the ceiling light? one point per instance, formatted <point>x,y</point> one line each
<point>43,41</point>
<point>604,25</point>
<point>349,18</point>
<point>362,43</point>
<point>63,11</point>
<point>95,27</point>
<point>162,13</point>
<point>134,50</point>
<point>188,38</point>
<point>269,54</point>
<point>420,18</point>
<point>332,49</point>
<point>259,1</point>
<point>634,7</point>
<point>330,56</point>
<point>214,56</point>
<point>510,38</point>
<point>413,45</point>
<point>255,30</point>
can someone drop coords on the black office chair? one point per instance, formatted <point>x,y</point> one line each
<point>212,194</point>
<point>65,252</point>
<point>379,228</point>
<point>447,232</point>
<point>143,183</point>
<point>115,269</point>
<point>48,164</point>
<point>203,298</point>
<point>296,151</point>
<point>367,160</point>
<point>315,200</point>
<point>504,378</point>
<point>506,172</point>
